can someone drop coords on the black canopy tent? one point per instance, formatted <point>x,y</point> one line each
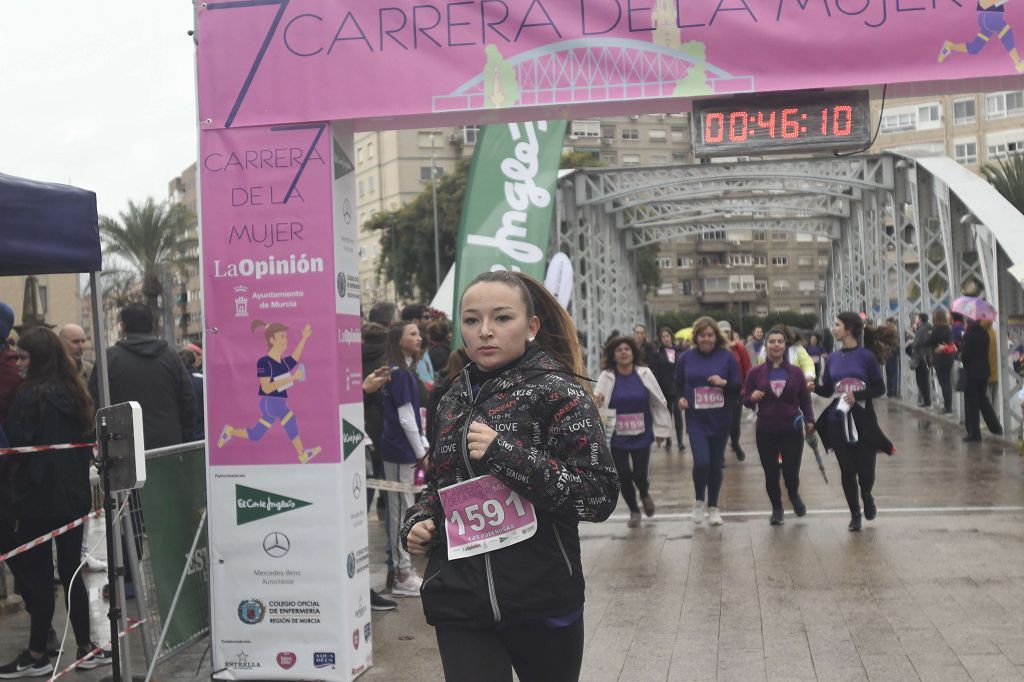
<point>47,228</point>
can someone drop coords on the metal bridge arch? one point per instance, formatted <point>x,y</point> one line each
<point>906,236</point>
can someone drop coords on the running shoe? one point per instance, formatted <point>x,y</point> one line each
<point>26,666</point>
<point>379,603</point>
<point>947,49</point>
<point>634,520</point>
<point>309,454</point>
<point>855,524</point>
<point>799,508</point>
<point>408,586</point>
<point>870,510</point>
<point>698,513</point>
<point>714,516</point>
<point>225,436</point>
<point>648,505</point>
<point>101,657</point>
<point>778,517</point>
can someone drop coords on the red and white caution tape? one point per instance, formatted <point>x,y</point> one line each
<point>132,624</point>
<point>45,448</point>
<point>49,536</point>
<point>393,486</point>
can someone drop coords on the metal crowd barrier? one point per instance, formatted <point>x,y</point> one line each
<point>170,569</point>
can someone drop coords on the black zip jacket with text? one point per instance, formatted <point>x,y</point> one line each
<point>551,449</point>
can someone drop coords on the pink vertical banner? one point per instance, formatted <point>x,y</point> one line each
<point>269,275</point>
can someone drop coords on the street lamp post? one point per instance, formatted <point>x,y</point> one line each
<point>433,187</point>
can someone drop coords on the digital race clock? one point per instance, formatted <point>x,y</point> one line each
<point>799,122</point>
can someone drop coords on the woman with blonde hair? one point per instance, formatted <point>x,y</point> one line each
<point>707,379</point>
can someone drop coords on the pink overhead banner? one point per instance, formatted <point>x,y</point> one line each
<point>273,61</point>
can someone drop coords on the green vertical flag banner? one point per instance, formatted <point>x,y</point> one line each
<point>510,198</point>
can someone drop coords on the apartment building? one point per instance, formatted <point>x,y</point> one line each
<point>749,272</point>
<point>974,128</point>
<point>59,295</point>
<point>186,295</point>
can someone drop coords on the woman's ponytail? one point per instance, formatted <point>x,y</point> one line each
<point>557,333</point>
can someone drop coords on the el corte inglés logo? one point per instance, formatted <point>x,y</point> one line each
<point>253,504</point>
<point>351,437</point>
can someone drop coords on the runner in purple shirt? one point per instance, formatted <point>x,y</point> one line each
<point>777,390</point>
<point>706,376</point>
<point>854,374</point>
<point>641,417</point>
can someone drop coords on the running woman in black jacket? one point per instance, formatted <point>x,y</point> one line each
<point>519,459</point>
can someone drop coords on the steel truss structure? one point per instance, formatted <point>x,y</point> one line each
<point>902,241</point>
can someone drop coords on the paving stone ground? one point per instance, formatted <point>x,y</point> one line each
<point>933,589</point>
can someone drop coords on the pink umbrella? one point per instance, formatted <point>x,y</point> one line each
<point>974,308</point>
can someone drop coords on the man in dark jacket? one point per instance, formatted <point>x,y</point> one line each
<point>145,369</point>
<point>974,355</point>
<point>921,359</point>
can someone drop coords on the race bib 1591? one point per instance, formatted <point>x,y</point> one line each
<point>483,514</point>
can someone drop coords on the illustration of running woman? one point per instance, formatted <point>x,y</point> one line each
<point>991,22</point>
<point>277,373</point>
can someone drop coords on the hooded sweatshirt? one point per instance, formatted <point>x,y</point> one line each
<point>145,369</point>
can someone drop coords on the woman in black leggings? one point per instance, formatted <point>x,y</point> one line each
<point>778,391</point>
<point>849,425</point>
<point>51,490</point>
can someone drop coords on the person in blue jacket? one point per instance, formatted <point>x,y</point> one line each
<point>707,378</point>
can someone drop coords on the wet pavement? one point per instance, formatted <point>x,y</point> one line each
<point>933,589</point>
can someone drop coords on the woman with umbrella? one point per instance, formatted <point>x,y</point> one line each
<point>974,355</point>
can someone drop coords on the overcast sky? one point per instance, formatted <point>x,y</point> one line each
<point>98,94</point>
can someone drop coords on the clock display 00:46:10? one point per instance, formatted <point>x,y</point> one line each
<point>739,126</point>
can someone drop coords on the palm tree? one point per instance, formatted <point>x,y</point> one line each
<point>150,238</point>
<point>1008,179</point>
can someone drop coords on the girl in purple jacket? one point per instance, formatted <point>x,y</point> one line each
<point>777,390</point>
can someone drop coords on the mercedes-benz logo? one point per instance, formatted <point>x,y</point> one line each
<point>357,486</point>
<point>276,545</point>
